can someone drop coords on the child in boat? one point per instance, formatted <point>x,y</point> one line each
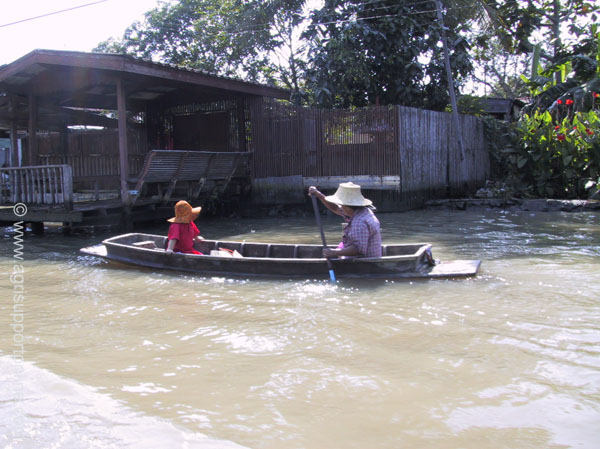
<point>183,232</point>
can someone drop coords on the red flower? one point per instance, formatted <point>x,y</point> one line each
<point>569,102</point>
<point>557,127</point>
<point>589,131</point>
<point>560,137</point>
<point>595,94</point>
<point>559,101</point>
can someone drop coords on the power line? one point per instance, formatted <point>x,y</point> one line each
<point>262,27</point>
<point>259,27</point>
<point>52,13</point>
<point>265,27</point>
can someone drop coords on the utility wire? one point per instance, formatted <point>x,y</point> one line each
<point>264,27</point>
<point>52,13</point>
<point>260,27</point>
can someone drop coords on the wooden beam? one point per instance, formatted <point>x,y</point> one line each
<point>32,131</point>
<point>14,145</point>
<point>241,115</point>
<point>43,214</point>
<point>64,140</point>
<point>123,150</point>
<point>94,101</point>
<point>14,140</point>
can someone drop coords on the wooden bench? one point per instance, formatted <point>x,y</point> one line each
<point>201,170</point>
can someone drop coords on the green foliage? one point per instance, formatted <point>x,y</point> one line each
<point>574,77</point>
<point>470,105</point>
<point>555,33</point>
<point>515,23</point>
<point>502,140</point>
<point>225,37</point>
<point>558,154</point>
<point>382,52</point>
<point>558,150</point>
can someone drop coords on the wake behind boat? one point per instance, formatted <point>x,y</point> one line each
<point>278,259</point>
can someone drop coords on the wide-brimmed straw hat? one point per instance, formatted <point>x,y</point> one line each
<point>184,212</point>
<point>348,194</point>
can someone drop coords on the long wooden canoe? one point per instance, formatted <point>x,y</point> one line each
<point>279,259</point>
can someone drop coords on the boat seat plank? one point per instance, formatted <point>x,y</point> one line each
<point>283,251</point>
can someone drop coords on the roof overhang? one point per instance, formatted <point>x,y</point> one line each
<point>88,80</point>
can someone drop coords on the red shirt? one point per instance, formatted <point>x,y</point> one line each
<point>184,233</point>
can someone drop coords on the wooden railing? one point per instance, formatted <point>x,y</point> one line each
<point>94,165</point>
<point>37,185</point>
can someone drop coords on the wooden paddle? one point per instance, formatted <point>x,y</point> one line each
<point>318,217</point>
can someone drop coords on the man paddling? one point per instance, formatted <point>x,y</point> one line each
<point>361,236</point>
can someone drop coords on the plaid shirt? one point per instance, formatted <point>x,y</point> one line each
<point>364,232</point>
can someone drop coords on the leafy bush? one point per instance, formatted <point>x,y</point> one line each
<point>559,152</point>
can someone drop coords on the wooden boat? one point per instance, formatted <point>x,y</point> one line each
<point>278,259</point>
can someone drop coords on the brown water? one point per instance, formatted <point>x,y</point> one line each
<point>127,358</point>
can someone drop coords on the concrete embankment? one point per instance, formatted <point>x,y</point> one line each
<point>516,204</point>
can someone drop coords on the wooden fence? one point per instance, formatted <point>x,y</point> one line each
<point>39,185</point>
<point>417,145</point>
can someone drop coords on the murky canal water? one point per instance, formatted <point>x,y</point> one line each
<point>134,358</point>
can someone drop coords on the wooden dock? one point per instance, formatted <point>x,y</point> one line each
<point>108,212</point>
<point>46,193</point>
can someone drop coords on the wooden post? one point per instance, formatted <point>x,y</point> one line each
<point>37,227</point>
<point>455,117</point>
<point>32,139</point>
<point>14,145</point>
<point>14,140</point>
<point>241,115</point>
<point>123,150</point>
<point>67,186</point>
<point>64,142</point>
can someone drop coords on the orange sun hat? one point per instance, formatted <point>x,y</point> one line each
<point>184,213</point>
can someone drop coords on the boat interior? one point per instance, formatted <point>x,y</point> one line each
<point>254,249</point>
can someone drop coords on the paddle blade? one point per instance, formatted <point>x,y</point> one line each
<point>332,275</point>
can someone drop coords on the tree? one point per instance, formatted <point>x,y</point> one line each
<point>507,32</point>
<point>520,25</point>
<point>382,52</point>
<point>225,37</point>
<point>288,56</point>
<point>497,71</point>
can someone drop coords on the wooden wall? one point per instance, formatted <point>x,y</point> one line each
<point>92,154</point>
<point>419,146</point>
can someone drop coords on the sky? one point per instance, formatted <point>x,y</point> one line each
<point>79,29</point>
